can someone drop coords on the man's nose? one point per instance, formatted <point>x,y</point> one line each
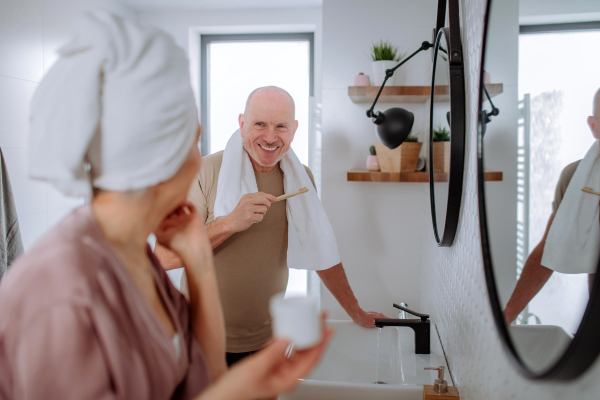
<point>270,135</point>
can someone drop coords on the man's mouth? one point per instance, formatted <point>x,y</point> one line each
<point>267,148</point>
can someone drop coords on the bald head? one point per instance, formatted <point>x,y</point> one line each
<point>267,126</point>
<point>596,108</point>
<point>271,93</point>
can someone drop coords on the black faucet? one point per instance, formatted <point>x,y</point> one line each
<point>419,325</point>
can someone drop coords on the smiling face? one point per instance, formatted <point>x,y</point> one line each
<point>268,126</point>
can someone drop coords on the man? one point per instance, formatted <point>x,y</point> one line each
<point>534,275</point>
<point>250,243</point>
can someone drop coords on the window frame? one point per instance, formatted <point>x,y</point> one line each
<point>206,40</point>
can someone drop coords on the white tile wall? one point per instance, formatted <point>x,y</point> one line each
<point>21,39</point>
<point>453,285</point>
<point>30,33</point>
<point>15,97</point>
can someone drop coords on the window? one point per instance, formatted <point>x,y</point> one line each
<point>234,65</point>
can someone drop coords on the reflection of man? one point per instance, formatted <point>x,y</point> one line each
<point>534,275</point>
<point>251,242</point>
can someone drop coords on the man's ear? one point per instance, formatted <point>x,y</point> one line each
<point>241,122</point>
<point>594,127</point>
<point>295,126</point>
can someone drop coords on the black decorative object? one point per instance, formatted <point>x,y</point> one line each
<point>395,124</point>
<point>450,37</point>
<point>584,348</point>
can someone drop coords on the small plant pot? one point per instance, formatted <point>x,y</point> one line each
<point>409,156</point>
<point>372,163</point>
<point>379,68</point>
<point>402,159</point>
<point>441,157</point>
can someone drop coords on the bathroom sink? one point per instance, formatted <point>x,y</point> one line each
<point>539,345</point>
<point>349,367</point>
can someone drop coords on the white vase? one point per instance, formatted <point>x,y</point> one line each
<point>379,68</point>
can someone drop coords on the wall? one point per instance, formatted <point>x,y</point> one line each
<point>30,33</point>
<point>453,285</point>
<point>379,226</point>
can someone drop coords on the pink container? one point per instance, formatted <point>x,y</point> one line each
<point>362,80</point>
<point>372,163</point>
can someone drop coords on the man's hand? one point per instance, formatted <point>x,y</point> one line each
<point>251,208</point>
<point>366,318</point>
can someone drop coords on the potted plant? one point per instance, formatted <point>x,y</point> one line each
<point>441,150</point>
<point>409,156</point>
<point>404,158</point>
<point>385,56</point>
<point>372,162</point>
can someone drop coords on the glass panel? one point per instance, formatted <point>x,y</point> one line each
<point>235,70</point>
<point>441,135</point>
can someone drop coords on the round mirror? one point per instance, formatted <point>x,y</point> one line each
<point>446,142</point>
<point>537,150</point>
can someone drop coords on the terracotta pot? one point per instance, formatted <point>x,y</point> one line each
<point>441,157</point>
<point>402,159</point>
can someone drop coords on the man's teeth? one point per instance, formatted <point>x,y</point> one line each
<point>268,148</point>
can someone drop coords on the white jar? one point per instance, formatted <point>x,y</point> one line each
<point>379,68</point>
<point>296,319</point>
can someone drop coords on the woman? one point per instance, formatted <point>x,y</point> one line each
<point>89,313</point>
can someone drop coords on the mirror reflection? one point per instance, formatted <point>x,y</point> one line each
<point>543,125</point>
<point>440,139</point>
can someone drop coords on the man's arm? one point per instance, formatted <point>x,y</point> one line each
<point>533,277</point>
<point>336,281</point>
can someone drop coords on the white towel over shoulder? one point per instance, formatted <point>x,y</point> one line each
<point>311,241</point>
<point>573,243</point>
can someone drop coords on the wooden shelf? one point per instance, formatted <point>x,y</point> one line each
<point>408,94</point>
<point>422,177</point>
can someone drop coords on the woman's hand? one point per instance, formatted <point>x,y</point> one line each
<point>271,372</point>
<point>183,231</point>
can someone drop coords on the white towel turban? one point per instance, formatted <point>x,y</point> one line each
<point>119,98</point>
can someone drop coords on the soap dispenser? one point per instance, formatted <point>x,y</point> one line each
<point>440,389</point>
<point>439,385</point>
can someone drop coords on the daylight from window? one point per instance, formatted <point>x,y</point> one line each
<point>560,72</point>
<point>237,68</point>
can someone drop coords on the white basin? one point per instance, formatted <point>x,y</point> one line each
<point>349,366</point>
<point>540,346</point>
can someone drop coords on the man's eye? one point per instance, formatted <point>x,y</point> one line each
<point>259,124</point>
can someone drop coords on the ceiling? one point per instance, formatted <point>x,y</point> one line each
<point>157,5</point>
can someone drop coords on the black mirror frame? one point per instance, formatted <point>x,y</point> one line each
<point>457,129</point>
<point>585,346</point>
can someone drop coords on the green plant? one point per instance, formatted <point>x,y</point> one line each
<point>372,150</point>
<point>412,138</point>
<point>384,50</point>
<point>441,134</point>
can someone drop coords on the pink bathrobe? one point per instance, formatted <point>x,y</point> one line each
<point>73,325</point>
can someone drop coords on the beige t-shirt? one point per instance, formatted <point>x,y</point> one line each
<point>251,266</point>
